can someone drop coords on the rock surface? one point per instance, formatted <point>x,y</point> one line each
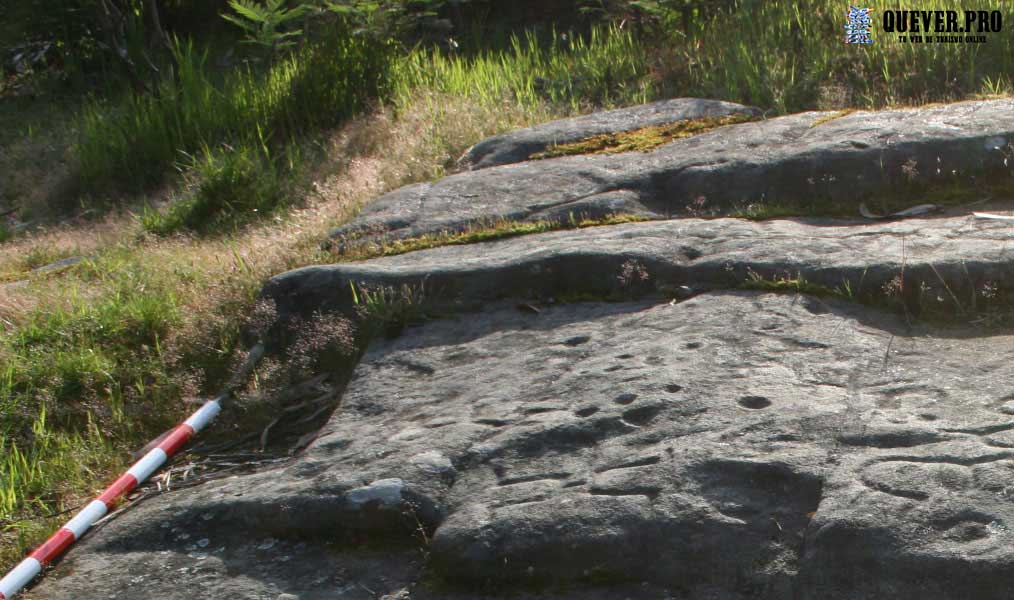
<point>694,440</point>
<point>940,259</point>
<point>813,450</point>
<point>517,146</point>
<point>784,160</point>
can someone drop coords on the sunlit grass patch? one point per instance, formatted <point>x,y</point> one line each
<point>609,67</point>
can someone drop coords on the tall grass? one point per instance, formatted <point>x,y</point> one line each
<point>53,465</point>
<point>608,67</point>
<point>790,56</point>
<point>134,140</point>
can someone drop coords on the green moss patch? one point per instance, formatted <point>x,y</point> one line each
<point>797,285</point>
<point>831,117</point>
<point>641,140</point>
<point>482,232</point>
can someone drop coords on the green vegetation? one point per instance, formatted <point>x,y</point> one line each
<point>88,374</point>
<point>132,141</point>
<point>641,140</point>
<point>786,56</point>
<point>252,152</point>
<point>786,284</point>
<point>608,67</point>
<point>231,187</point>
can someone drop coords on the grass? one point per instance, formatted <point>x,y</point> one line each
<point>786,284</point>
<point>99,357</point>
<point>228,189</point>
<point>135,140</point>
<point>643,139</point>
<point>608,68</point>
<point>790,57</point>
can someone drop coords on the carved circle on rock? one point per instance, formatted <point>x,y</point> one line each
<point>625,398</point>
<point>754,402</point>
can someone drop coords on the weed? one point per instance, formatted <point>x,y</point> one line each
<point>632,274</point>
<point>388,310</point>
<point>262,24</point>
<point>797,285</point>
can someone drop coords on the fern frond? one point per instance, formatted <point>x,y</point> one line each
<point>249,10</point>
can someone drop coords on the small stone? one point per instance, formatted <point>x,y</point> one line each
<point>267,544</point>
<point>433,462</point>
<point>386,492</point>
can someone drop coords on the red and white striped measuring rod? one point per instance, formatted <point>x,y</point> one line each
<point>22,575</point>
